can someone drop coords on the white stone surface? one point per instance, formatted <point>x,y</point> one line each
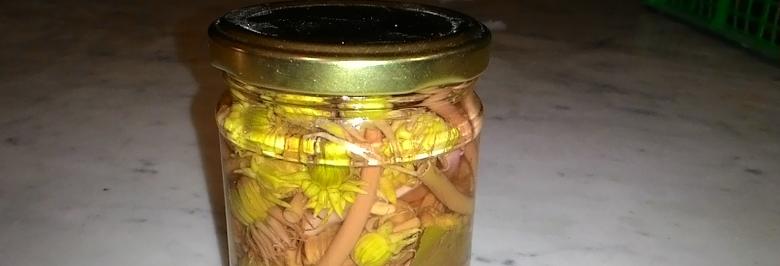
<point>614,136</point>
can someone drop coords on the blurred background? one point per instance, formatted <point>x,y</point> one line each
<point>614,135</point>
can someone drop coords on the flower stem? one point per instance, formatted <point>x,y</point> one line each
<point>446,192</point>
<point>358,214</point>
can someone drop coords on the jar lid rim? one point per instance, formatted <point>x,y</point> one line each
<point>348,47</point>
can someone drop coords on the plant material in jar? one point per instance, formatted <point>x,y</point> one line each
<point>355,221</point>
<point>393,179</point>
<point>265,235</point>
<point>378,248</point>
<point>445,191</point>
<point>279,178</point>
<point>295,211</point>
<point>421,136</point>
<point>249,202</point>
<point>272,240</point>
<point>440,245</point>
<point>465,123</point>
<point>314,246</point>
<point>257,128</point>
<point>330,188</point>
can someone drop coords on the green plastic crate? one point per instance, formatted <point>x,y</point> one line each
<point>754,24</point>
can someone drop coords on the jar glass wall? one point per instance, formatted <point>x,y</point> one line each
<point>338,179</point>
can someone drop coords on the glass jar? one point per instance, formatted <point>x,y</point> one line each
<point>349,132</point>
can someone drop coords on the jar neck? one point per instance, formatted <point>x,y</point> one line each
<point>324,129</point>
<point>347,106</point>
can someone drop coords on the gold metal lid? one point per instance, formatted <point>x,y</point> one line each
<point>348,47</point>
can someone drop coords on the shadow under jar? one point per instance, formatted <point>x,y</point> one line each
<point>349,132</point>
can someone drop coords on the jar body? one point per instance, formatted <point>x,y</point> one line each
<point>349,180</point>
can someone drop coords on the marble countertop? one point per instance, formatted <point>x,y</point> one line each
<point>613,136</point>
